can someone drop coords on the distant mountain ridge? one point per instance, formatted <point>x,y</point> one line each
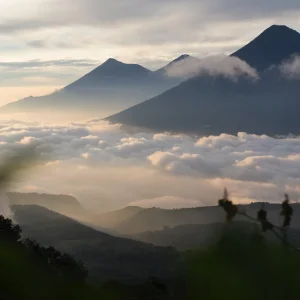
<point>156,219</point>
<point>111,69</point>
<point>107,257</point>
<point>209,105</point>
<point>181,59</point>
<point>195,236</point>
<point>200,105</point>
<point>60,203</point>
<point>112,86</point>
<point>111,257</point>
<point>115,218</point>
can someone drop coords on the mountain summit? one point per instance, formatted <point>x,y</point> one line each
<point>215,104</point>
<point>115,86</point>
<point>274,45</point>
<point>179,60</point>
<point>110,87</point>
<point>110,72</point>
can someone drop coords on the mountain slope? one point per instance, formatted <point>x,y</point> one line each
<point>219,104</point>
<point>272,47</point>
<point>112,72</point>
<point>189,237</point>
<point>107,257</point>
<point>111,87</point>
<point>59,203</point>
<point>214,105</point>
<point>63,204</point>
<point>175,69</point>
<point>117,217</point>
<point>153,219</point>
<point>156,219</point>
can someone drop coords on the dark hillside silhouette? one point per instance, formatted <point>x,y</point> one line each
<point>270,48</point>
<point>106,257</point>
<point>156,219</point>
<point>195,236</point>
<point>28,270</point>
<point>60,203</point>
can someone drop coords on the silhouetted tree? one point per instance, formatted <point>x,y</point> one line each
<point>286,211</point>
<point>74,270</point>
<point>64,264</point>
<point>262,218</point>
<point>52,255</point>
<point>8,230</point>
<point>230,209</point>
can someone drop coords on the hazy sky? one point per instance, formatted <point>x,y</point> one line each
<point>45,44</point>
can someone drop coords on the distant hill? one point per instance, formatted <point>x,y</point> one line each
<point>156,219</point>
<point>206,104</point>
<point>270,48</point>
<point>64,204</point>
<point>189,237</point>
<point>111,87</point>
<point>184,237</point>
<point>61,203</point>
<point>107,257</point>
<point>153,219</point>
<point>115,218</point>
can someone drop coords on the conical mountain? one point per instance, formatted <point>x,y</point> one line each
<point>109,88</point>
<point>215,104</point>
<point>179,61</point>
<point>276,44</point>
<point>111,72</point>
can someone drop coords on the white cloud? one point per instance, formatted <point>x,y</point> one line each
<point>156,28</point>
<point>231,67</point>
<point>291,67</point>
<point>100,12</point>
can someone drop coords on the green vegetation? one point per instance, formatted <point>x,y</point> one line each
<point>107,257</point>
<point>238,266</point>
<point>30,271</point>
<point>243,268</point>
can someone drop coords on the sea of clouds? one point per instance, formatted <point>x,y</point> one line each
<point>106,168</point>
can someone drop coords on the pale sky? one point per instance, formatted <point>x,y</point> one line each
<point>45,44</point>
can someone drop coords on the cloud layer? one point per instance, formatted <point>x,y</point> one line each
<point>231,67</point>
<point>291,67</point>
<point>107,168</point>
<point>165,28</point>
<point>93,12</point>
